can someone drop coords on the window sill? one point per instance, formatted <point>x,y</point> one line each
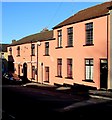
<point>68,78</point>
<point>58,47</point>
<point>46,81</point>
<point>18,56</point>
<point>88,45</point>
<point>59,76</point>
<point>88,81</point>
<point>68,46</point>
<point>46,55</point>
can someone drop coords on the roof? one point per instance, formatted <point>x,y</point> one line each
<point>3,47</point>
<point>46,35</point>
<point>89,13</point>
<point>110,7</point>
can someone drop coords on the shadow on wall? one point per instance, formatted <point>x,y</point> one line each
<point>4,65</point>
<point>11,69</point>
<point>10,64</point>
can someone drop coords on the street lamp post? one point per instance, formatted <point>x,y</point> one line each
<point>38,44</point>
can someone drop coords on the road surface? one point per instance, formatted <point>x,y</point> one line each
<point>22,103</point>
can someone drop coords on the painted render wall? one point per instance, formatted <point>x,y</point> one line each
<point>48,61</point>
<point>79,52</point>
<point>25,56</point>
<point>110,53</point>
<point>5,55</point>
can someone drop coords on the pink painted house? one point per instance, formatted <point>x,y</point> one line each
<point>76,51</point>
<point>23,54</point>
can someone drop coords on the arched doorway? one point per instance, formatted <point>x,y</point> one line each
<point>25,70</point>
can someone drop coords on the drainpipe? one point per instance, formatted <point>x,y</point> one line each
<point>31,61</point>
<point>107,50</point>
<point>42,73</point>
<point>110,50</point>
<point>38,44</point>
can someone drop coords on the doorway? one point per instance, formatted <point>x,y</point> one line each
<point>47,74</point>
<point>103,73</point>
<point>25,70</point>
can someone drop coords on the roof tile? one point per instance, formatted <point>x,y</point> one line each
<point>92,12</point>
<point>34,37</point>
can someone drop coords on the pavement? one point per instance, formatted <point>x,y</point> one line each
<point>93,93</point>
<point>101,94</point>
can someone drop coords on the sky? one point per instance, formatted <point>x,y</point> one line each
<point>20,19</point>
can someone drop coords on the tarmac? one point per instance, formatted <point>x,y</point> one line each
<point>93,93</point>
<point>86,96</point>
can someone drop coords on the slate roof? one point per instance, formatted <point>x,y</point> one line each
<point>86,14</point>
<point>110,7</point>
<point>47,35</point>
<point>3,47</point>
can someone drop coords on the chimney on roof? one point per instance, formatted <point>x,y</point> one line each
<point>45,29</point>
<point>13,41</point>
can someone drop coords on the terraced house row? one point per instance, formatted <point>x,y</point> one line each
<point>76,51</point>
